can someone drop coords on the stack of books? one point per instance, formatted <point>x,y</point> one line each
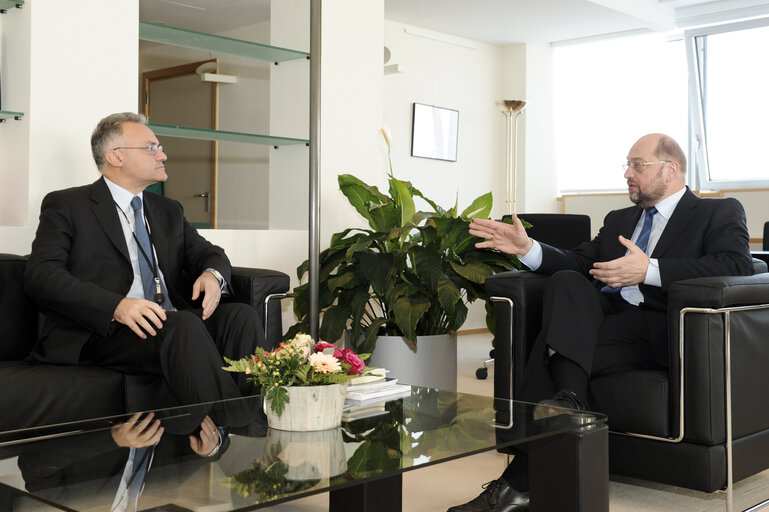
<point>367,395</point>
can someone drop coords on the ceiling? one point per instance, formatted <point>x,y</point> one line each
<point>499,22</point>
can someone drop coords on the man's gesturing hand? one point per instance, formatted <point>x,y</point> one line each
<point>140,314</point>
<point>628,270</point>
<point>508,238</point>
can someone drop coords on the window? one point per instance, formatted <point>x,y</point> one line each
<point>729,105</point>
<point>608,93</point>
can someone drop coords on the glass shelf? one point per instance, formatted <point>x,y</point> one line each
<point>176,36</point>
<point>7,114</point>
<point>10,4</point>
<point>184,132</point>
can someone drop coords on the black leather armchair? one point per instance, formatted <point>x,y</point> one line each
<point>562,230</point>
<point>669,426</point>
<point>39,394</point>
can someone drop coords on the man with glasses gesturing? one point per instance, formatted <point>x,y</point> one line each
<point>107,266</point>
<point>605,304</point>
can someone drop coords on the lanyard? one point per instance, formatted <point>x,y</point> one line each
<point>153,264</point>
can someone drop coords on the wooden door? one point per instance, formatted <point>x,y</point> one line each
<point>177,96</point>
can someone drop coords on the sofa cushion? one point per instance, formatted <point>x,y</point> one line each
<point>634,401</point>
<point>18,315</point>
<point>43,394</point>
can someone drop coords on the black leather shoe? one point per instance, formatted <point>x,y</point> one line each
<point>498,496</point>
<point>563,402</point>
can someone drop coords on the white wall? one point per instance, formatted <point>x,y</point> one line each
<point>451,76</point>
<point>81,63</point>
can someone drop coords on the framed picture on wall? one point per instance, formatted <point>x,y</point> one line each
<point>434,132</point>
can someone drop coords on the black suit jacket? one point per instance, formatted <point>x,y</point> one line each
<point>80,269</point>
<point>704,237</point>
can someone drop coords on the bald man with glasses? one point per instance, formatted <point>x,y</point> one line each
<point>605,304</point>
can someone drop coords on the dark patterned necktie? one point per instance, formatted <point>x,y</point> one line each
<point>148,276</point>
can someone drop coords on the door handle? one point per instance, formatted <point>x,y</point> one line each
<point>205,196</point>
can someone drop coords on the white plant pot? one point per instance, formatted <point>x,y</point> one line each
<point>309,408</point>
<point>430,362</point>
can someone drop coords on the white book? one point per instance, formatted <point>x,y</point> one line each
<point>389,392</point>
<point>376,375</point>
<point>372,386</point>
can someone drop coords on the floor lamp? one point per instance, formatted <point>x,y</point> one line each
<point>511,109</point>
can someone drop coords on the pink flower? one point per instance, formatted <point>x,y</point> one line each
<point>350,357</point>
<point>321,346</point>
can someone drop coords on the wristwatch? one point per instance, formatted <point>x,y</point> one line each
<point>216,274</point>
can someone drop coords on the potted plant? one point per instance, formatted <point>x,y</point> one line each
<point>411,274</point>
<point>304,383</point>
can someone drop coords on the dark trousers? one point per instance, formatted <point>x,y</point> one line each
<point>601,333</point>
<point>187,352</point>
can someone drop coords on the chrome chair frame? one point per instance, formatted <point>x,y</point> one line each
<point>267,300</point>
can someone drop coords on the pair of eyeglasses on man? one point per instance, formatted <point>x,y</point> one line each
<point>639,166</point>
<point>152,149</point>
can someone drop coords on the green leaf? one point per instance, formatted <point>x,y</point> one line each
<point>481,207</point>
<point>372,333</point>
<point>378,269</point>
<point>476,271</point>
<point>343,280</point>
<point>459,317</point>
<point>334,322</point>
<point>448,294</point>
<point>361,196</point>
<point>279,397</point>
<point>404,200</point>
<point>407,313</point>
<point>428,265</point>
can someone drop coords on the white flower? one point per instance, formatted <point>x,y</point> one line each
<point>303,343</point>
<point>325,363</point>
<point>385,131</point>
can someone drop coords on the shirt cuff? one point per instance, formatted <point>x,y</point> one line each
<point>533,258</point>
<point>225,288</point>
<point>653,273</point>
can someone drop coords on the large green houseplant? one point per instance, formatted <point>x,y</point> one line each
<point>411,274</point>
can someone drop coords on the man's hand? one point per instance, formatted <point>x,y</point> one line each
<point>208,438</point>
<point>208,285</point>
<point>136,433</point>
<point>508,238</point>
<point>628,270</point>
<point>140,314</point>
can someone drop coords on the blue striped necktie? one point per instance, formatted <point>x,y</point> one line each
<point>642,242</point>
<point>143,238</point>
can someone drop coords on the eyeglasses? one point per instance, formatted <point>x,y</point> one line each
<point>638,166</point>
<point>152,149</point>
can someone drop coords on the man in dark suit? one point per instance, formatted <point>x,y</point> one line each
<point>605,304</point>
<point>107,267</point>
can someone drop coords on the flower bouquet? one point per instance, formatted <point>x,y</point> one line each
<point>298,362</point>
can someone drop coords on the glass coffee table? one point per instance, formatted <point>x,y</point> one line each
<point>77,465</point>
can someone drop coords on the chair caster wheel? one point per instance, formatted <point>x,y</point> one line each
<point>481,373</point>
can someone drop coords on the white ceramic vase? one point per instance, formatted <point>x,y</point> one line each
<point>309,408</point>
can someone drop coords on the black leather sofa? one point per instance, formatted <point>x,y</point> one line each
<point>689,450</point>
<point>43,394</point>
